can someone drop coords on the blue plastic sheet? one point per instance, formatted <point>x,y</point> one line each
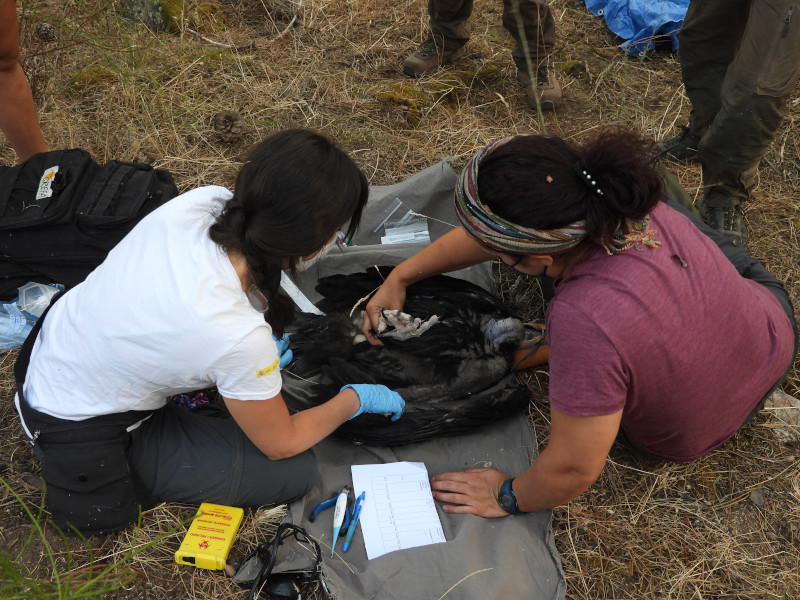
<point>639,22</point>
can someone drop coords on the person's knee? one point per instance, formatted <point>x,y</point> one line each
<point>306,474</point>
<point>9,60</point>
<point>296,477</point>
<point>265,481</point>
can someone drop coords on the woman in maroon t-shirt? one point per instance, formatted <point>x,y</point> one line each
<point>630,271</point>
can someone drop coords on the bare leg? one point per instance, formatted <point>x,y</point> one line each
<point>18,119</point>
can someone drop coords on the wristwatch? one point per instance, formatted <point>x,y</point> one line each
<point>507,499</point>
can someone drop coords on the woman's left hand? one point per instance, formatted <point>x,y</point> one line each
<point>472,492</point>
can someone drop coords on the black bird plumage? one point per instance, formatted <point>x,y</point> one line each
<point>454,377</point>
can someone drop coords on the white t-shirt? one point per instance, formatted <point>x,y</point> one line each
<point>164,314</point>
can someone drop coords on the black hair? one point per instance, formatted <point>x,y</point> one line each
<point>296,190</point>
<point>537,182</point>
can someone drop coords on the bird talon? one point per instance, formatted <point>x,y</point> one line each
<point>402,326</point>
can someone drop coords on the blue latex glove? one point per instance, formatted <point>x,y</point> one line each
<point>377,399</point>
<point>283,349</point>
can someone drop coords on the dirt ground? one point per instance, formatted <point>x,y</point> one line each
<point>726,526</point>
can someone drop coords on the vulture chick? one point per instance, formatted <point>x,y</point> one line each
<point>449,355</point>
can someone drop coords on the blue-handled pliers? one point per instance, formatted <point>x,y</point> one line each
<point>329,503</point>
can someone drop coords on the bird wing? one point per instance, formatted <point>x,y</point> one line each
<point>455,376</point>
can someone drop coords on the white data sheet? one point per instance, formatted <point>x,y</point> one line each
<point>399,510</point>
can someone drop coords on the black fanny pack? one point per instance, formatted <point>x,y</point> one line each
<point>91,488</point>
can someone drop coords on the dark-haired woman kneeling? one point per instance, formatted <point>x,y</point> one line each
<point>661,330</point>
<point>180,305</point>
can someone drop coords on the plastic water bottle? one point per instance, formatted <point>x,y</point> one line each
<point>14,326</point>
<point>18,317</point>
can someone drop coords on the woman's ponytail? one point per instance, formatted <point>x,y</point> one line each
<point>622,165</point>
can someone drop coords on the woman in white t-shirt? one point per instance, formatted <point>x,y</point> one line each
<point>191,299</point>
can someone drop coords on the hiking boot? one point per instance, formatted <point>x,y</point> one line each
<point>544,91</point>
<point>727,219</point>
<point>429,57</point>
<point>681,147</point>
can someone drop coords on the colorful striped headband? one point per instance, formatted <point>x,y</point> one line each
<point>502,235</point>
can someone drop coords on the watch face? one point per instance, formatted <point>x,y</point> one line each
<point>506,501</point>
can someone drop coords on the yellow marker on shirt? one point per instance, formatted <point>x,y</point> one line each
<point>269,369</point>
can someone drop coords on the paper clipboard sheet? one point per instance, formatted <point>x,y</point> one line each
<point>399,511</point>
<point>481,559</point>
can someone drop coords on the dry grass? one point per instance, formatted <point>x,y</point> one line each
<point>724,526</point>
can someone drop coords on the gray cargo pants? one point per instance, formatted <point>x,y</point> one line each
<point>202,455</point>
<point>740,59</point>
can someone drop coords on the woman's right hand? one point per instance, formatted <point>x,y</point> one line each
<point>454,250</point>
<point>391,295</point>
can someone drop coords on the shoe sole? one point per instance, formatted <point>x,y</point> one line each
<point>690,156</point>
<point>544,105</point>
<point>524,81</point>
<point>409,70</point>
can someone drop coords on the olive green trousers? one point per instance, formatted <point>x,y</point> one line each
<point>740,60</point>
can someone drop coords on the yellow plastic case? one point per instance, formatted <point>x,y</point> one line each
<point>210,536</point>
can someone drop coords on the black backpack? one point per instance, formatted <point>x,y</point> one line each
<point>61,213</point>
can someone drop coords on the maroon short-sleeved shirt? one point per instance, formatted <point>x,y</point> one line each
<point>672,335</point>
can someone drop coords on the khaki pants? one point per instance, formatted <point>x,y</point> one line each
<point>740,59</point>
<point>451,28</point>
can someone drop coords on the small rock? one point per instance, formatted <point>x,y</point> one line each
<point>757,498</point>
<point>148,12</point>
<point>785,412</point>
<point>32,481</point>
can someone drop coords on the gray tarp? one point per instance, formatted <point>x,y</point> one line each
<point>483,559</point>
<point>429,192</point>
